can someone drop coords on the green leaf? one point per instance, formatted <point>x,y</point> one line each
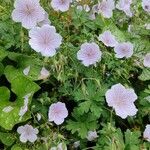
<point>3,54</point>
<point>24,61</point>
<point>9,111</point>
<point>145,75</point>
<point>7,138</point>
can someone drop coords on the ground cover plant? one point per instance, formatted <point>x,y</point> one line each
<point>75,74</point>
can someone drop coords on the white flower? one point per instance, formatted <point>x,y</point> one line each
<point>28,12</point>
<point>44,74</point>
<point>86,8</point>
<point>28,133</point>
<point>45,21</point>
<point>124,5</point>
<point>57,112</point>
<point>124,49</point>
<point>146,5</point>
<point>76,144</point>
<point>45,40</point>
<point>146,61</point>
<point>146,133</point>
<point>7,109</point>
<point>92,135</point>
<point>24,108</point>
<point>26,71</point>
<point>62,5</point>
<point>108,39</point>
<point>79,7</point>
<point>89,54</point>
<point>122,100</point>
<point>106,8</point>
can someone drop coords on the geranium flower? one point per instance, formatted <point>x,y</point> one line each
<point>89,53</point>
<point>57,112</point>
<point>106,8</point>
<point>146,5</point>
<point>124,50</point>
<point>122,100</point>
<point>62,5</point>
<point>92,135</point>
<point>44,73</point>
<point>45,40</point>
<point>124,5</point>
<point>146,133</point>
<point>28,12</point>
<point>108,39</point>
<point>28,133</point>
<point>45,21</point>
<point>146,61</point>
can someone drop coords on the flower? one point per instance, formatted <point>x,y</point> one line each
<point>57,112</point>
<point>28,12</point>
<point>76,144</point>
<point>92,135</point>
<point>146,61</point>
<point>106,8</point>
<point>45,20</point>
<point>28,133</point>
<point>86,7</point>
<point>89,53</point>
<point>147,26</point>
<point>124,5</point>
<point>62,5</point>
<point>122,100</point>
<point>60,146</point>
<point>108,39</point>
<point>26,71</point>
<point>146,133</point>
<point>124,50</point>
<point>44,74</point>
<point>146,5</point>
<point>45,40</point>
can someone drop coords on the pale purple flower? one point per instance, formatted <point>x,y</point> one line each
<point>124,49</point>
<point>28,133</point>
<point>89,54</point>
<point>108,39</point>
<point>45,40</point>
<point>44,74</point>
<point>124,5</point>
<point>28,12</point>
<point>146,5</point>
<point>92,135</point>
<point>57,113</point>
<point>45,21</point>
<point>146,133</point>
<point>62,5</point>
<point>146,61</point>
<point>61,146</point>
<point>122,100</point>
<point>106,8</point>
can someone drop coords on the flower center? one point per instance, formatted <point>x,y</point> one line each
<point>29,10</point>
